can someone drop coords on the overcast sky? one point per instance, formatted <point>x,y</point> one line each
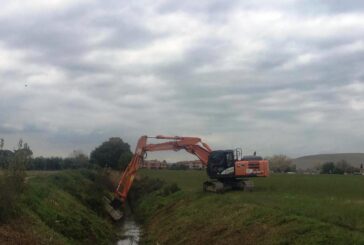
<point>272,76</point>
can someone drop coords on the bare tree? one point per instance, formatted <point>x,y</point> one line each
<point>281,164</point>
<point>20,144</point>
<point>79,159</point>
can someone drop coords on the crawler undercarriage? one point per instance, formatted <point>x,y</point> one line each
<point>222,186</point>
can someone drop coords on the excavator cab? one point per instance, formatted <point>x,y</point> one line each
<point>221,164</point>
<point>228,169</point>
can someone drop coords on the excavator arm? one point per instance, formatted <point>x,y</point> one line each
<point>192,145</point>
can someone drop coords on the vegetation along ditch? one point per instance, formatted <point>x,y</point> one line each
<point>169,207</point>
<point>283,209</point>
<point>60,208</point>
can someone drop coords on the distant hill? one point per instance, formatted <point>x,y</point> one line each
<point>305,162</point>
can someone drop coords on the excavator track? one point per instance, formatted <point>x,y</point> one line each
<point>220,187</point>
<point>215,186</point>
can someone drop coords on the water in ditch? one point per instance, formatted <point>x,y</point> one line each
<point>131,231</point>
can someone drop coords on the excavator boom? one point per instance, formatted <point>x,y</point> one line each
<point>192,145</point>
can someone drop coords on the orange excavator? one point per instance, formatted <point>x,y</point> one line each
<point>227,169</point>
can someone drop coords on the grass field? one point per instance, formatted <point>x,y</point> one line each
<point>283,209</point>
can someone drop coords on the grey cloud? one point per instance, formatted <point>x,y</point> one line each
<point>100,70</point>
<point>340,6</point>
<point>212,7</point>
<point>7,130</point>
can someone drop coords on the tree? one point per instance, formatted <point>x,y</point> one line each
<point>5,158</point>
<point>20,144</point>
<point>281,164</point>
<point>111,153</point>
<point>328,168</point>
<point>79,159</point>
<point>16,169</point>
<point>24,150</point>
<point>1,143</point>
<point>343,166</point>
<point>339,167</point>
<point>12,184</point>
<point>125,159</point>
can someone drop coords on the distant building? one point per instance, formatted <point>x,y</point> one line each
<point>197,164</point>
<point>154,164</point>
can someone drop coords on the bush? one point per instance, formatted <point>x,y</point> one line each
<point>95,184</point>
<point>170,189</point>
<point>144,186</point>
<point>97,190</point>
<point>12,184</point>
<point>147,185</point>
<point>339,167</point>
<point>281,164</point>
<point>57,163</point>
<point>9,196</point>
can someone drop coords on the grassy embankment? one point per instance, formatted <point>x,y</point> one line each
<point>283,209</point>
<point>59,208</point>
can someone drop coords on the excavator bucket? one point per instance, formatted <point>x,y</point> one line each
<point>113,207</point>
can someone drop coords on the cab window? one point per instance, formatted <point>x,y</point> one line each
<point>230,159</point>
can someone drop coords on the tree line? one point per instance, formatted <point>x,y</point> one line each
<point>340,167</point>
<point>113,153</point>
<point>284,164</point>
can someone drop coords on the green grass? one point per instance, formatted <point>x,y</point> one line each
<point>188,181</point>
<point>62,208</point>
<point>38,172</point>
<point>283,209</point>
<point>64,202</point>
<point>43,172</point>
